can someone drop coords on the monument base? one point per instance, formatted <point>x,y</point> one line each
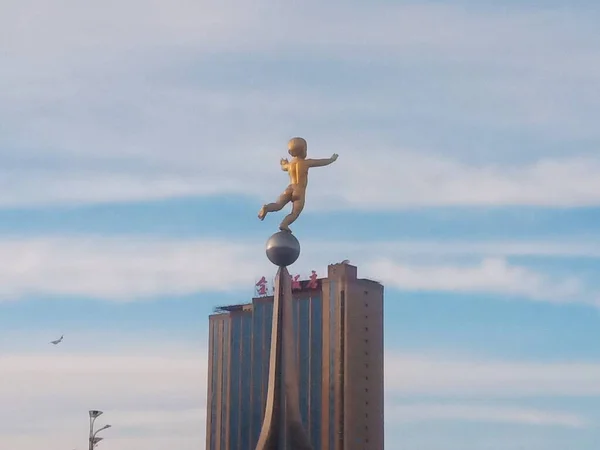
<point>282,425</point>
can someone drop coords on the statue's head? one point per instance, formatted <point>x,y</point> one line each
<point>297,147</point>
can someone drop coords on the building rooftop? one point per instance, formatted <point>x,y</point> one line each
<point>333,270</point>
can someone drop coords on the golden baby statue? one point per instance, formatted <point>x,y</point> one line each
<point>296,192</point>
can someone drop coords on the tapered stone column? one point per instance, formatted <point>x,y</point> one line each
<point>282,425</point>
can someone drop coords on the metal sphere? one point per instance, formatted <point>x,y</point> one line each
<point>283,249</point>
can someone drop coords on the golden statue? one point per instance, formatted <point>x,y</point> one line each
<point>296,191</point>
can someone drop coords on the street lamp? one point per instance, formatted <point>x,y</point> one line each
<point>93,440</point>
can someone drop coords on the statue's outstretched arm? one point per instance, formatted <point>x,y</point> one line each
<point>284,164</point>
<point>321,162</point>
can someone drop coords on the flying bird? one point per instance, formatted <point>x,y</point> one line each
<point>58,341</point>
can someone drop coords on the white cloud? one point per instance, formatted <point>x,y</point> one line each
<point>124,268</point>
<point>492,275</point>
<point>427,412</point>
<point>78,441</point>
<point>157,401</point>
<point>128,268</point>
<point>383,29</point>
<point>152,402</point>
<point>92,105</point>
<point>60,383</point>
<point>420,180</point>
<point>464,377</point>
<point>443,249</point>
<point>33,29</point>
<point>409,180</point>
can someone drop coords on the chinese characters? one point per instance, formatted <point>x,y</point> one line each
<point>264,289</point>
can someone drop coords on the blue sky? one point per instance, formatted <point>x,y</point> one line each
<point>138,140</point>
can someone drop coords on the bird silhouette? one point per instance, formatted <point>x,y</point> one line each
<point>58,341</point>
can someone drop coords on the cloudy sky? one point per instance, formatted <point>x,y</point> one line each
<point>138,140</point>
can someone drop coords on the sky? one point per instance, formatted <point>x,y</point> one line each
<point>138,140</point>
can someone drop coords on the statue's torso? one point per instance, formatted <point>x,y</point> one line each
<point>298,170</point>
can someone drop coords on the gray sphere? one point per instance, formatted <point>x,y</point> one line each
<point>283,249</point>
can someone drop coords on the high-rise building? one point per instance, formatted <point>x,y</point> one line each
<point>338,324</point>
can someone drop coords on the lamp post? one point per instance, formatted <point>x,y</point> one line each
<point>93,440</point>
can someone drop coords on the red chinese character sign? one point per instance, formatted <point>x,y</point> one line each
<point>312,284</point>
<point>296,285</point>
<point>262,288</point>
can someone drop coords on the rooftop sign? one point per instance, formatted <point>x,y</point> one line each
<point>264,289</point>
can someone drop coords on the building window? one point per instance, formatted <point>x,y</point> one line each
<point>366,328</point>
<point>366,305</point>
<point>366,341</point>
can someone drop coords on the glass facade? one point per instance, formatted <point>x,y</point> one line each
<point>213,381</point>
<point>303,335</point>
<point>315,372</point>
<point>331,337</point>
<point>234,387</point>
<point>259,352</point>
<point>245,370</point>
<point>242,341</point>
<point>268,312</point>
<point>224,379</point>
<point>308,321</point>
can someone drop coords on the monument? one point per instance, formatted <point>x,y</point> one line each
<point>282,427</point>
